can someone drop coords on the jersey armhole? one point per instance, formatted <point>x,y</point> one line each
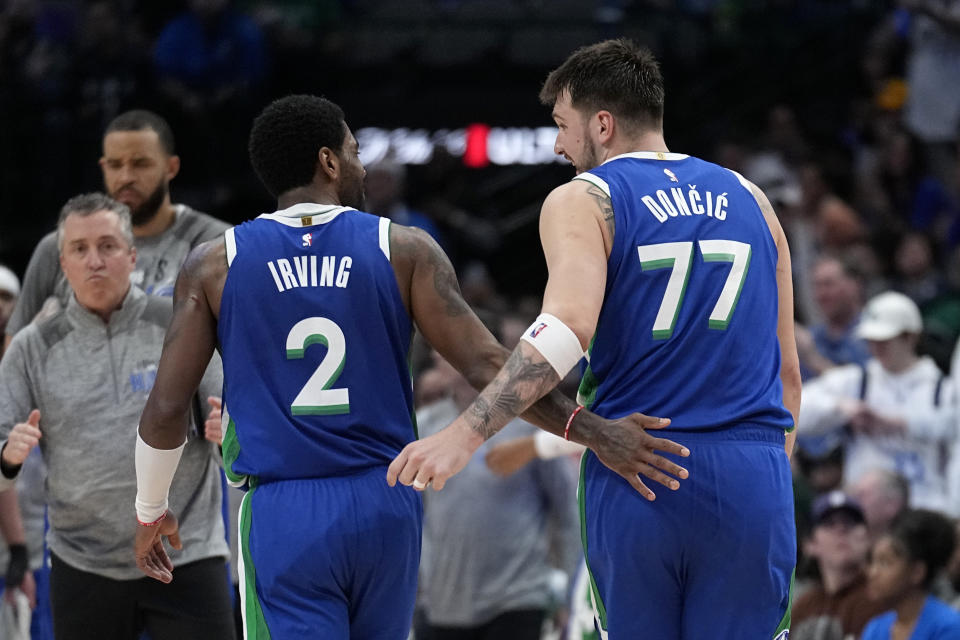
<point>231,243</point>
<point>385,237</point>
<point>596,181</point>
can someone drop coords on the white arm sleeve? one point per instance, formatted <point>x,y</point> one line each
<point>155,470</point>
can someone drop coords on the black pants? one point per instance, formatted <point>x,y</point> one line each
<point>195,605</point>
<point>522,624</point>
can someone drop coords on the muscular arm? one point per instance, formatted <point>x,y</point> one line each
<point>187,348</point>
<point>576,258</point>
<point>789,360</point>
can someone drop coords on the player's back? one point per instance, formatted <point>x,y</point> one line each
<point>688,327</point>
<point>315,339</point>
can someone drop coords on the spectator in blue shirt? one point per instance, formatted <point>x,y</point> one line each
<point>904,565</point>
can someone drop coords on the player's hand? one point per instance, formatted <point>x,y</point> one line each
<point>212,427</point>
<point>433,460</point>
<point>626,448</point>
<point>22,439</point>
<point>148,548</point>
<point>509,457</point>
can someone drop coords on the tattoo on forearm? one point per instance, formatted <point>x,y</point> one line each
<point>606,207</point>
<point>445,283</point>
<point>520,383</point>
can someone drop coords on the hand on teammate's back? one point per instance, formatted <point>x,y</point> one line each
<point>22,439</point>
<point>626,448</point>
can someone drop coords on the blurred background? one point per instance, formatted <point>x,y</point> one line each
<point>804,96</point>
<point>847,113</point>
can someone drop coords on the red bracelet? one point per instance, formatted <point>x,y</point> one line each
<point>566,431</point>
<point>154,523</point>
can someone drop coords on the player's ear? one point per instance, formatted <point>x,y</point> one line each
<point>329,163</point>
<point>605,125</point>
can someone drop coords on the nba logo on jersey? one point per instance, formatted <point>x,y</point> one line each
<point>673,178</point>
<point>308,239</point>
<point>537,329</point>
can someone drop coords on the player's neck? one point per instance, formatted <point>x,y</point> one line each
<point>159,223</point>
<point>646,141</point>
<point>310,193</point>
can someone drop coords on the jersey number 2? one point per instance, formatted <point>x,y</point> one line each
<point>316,398</point>
<point>679,256</point>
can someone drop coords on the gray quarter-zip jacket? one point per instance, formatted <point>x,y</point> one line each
<point>90,380</point>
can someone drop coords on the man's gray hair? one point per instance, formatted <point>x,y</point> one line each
<point>89,203</point>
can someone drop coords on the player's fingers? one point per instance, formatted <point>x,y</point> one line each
<point>34,418</point>
<point>649,422</point>
<point>160,556</point>
<point>174,539</point>
<point>658,476</point>
<point>215,402</point>
<point>668,446</point>
<point>638,485</point>
<point>393,471</point>
<point>668,466</point>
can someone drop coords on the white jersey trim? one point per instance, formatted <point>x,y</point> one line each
<point>596,181</point>
<point>649,155</point>
<point>231,242</point>
<point>385,236</point>
<point>743,181</point>
<point>306,214</point>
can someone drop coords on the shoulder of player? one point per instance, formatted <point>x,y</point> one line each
<point>411,243</point>
<point>206,259</point>
<point>765,207</point>
<point>567,203</point>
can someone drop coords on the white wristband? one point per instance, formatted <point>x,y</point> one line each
<point>549,446</point>
<point>556,342</point>
<point>155,470</point>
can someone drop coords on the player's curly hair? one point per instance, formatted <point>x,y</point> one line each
<point>287,136</point>
<point>617,75</point>
<point>925,536</point>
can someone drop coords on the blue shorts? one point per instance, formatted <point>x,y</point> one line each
<point>713,559</point>
<point>332,558</point>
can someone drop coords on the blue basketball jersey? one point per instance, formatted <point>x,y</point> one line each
<point>315,338</point>
<point>688,326</point>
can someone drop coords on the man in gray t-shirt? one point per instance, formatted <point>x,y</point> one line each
<point>138,163</point>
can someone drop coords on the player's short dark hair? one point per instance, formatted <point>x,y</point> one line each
<point>617,75</point>
<point>287,136</point>
<point>925,536</point>
<point>140,119</point>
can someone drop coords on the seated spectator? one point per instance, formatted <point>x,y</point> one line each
<point>895,412</point>
<point>903,567</point>
<point>883,495</point>
<point>838,293</point>
<point>838,606</point>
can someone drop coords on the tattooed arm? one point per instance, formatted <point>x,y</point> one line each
<point>575,228</point>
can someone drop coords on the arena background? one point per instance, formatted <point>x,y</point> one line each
<point>67,67</point>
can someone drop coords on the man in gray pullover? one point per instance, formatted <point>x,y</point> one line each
<point>75,383</point>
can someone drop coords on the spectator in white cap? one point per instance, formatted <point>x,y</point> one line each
<point>9,291</point>
<point>896,412</point>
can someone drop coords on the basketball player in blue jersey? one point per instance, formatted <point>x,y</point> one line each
<point>328,549</point>
<point>672,276</point>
